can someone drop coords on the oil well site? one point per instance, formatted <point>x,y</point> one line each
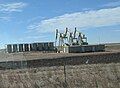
<point>68,62</point>
<point>67,44</point>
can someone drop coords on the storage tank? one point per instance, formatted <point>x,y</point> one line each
<point>40,46</point>
<point>51,46</point>
<point>75,49</point>
<point>15,49</point>
<point>88,48</point>
<point>20,47</point>
<point>100,47</point>
<point>9,48</point>
<point>26,47</point>
<point>33,47</point>
<point>46,47</point>
<point>30,47</point>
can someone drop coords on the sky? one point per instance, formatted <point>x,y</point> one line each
<point>26,21</point>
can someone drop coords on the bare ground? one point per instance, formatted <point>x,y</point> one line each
<point>38,55</point>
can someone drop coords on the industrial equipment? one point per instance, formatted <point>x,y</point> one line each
<point>61,37</point>
<point>70,38</point>
<point>31,47</point>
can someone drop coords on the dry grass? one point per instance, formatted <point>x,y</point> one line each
<point>77,76</point>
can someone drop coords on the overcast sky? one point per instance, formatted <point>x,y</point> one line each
<point>25,21</point>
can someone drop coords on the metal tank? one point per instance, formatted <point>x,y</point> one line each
<point>46,48</point>
<point>30,47</point>
<point>99,48</point>
<point>51,46</point>
<point>40,46</point>
<point>33,47</point>
<point>26,47</point>
<point>88,48</point>
<point>15,48</point>
<point>20,47</point>
<point>9,48</point>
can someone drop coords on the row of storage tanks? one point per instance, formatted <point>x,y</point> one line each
<point>47,46</point>
<point>84,48</point>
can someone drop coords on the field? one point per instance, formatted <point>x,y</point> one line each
<point>77,76</point>
<point>64,70</point>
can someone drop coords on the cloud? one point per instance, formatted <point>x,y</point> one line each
<point>5,18</point>
<point>12,7</point>
<point>36,37</point>
<point>35,19</point>
<point>116,30</point>
<point>112,4</point>
<point>87,19</point>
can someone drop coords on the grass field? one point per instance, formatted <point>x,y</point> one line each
<point>64,70</point>
<point>77,76</point>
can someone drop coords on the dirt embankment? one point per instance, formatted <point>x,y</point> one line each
<point>61,59</point>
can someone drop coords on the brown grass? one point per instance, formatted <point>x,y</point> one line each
<point>77,76</point>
